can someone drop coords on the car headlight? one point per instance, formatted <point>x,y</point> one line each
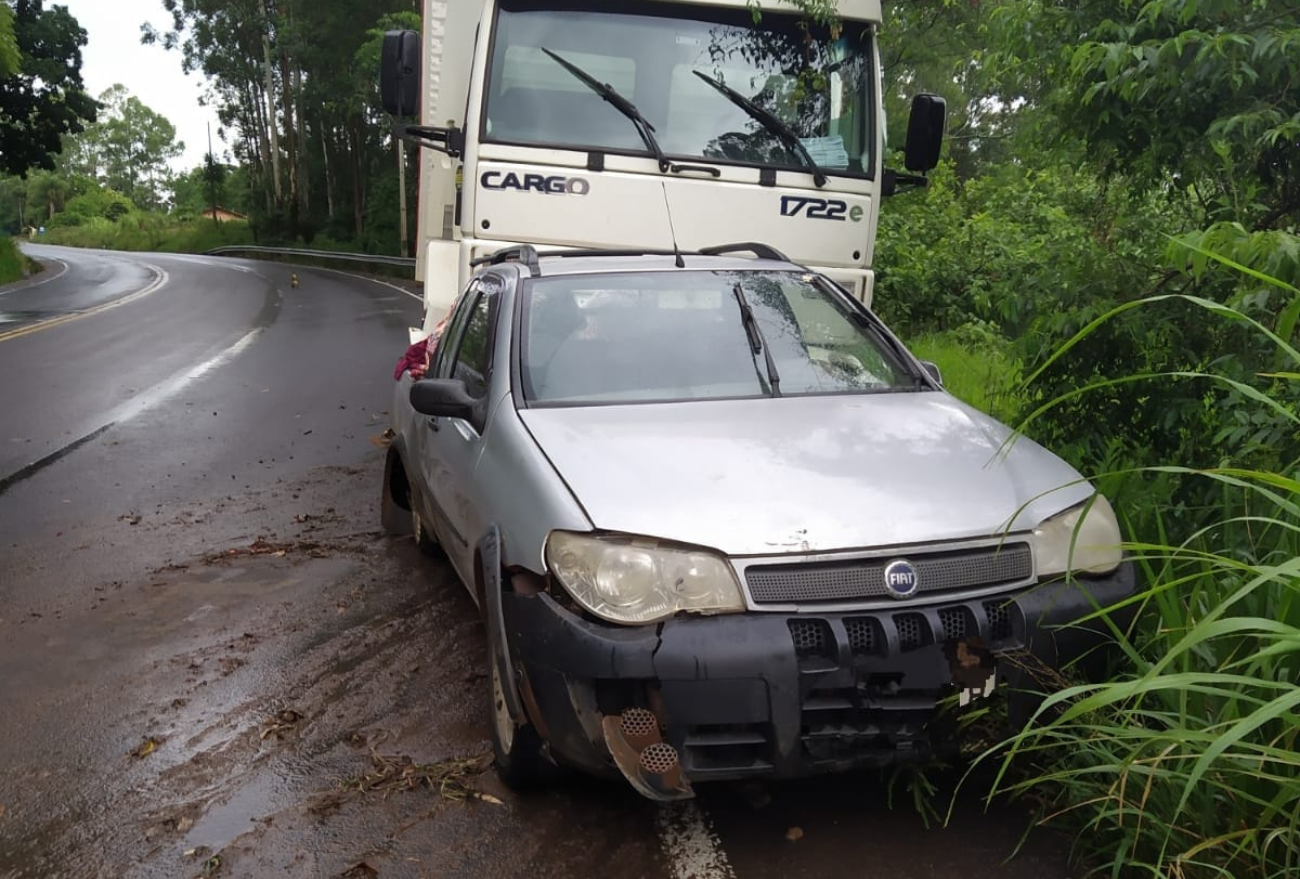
<point>627,579</point>
<point>1084,539</point>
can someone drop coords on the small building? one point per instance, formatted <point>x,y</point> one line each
<point>223,215</point>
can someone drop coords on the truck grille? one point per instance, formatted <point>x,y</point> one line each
<point>856,579</point>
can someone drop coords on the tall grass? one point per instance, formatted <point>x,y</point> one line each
<point>1187,764</point>
<point>978,367</point>
<point>12,263</point>
<point>151,233</point>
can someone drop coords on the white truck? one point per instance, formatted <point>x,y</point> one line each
<point>647,124</point>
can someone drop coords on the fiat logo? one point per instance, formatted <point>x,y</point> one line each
<point>901,579</point>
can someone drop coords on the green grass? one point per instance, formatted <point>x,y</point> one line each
<point>977,368</point>
<point>12,262</point>
<point>137,232</point>
<point>1187,763</point>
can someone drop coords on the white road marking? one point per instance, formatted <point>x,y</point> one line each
<point>163,391</point>
<point>691,848</point>
<point>160,280</point>
<point>42,280</point>
<point>155,396</point>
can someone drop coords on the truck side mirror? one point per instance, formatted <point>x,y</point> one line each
<point>924,133</point>
<point>399,74</point>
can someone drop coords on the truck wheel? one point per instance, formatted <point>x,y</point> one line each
<point>518,749</point>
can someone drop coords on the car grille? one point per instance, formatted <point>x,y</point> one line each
<point>857,579</point>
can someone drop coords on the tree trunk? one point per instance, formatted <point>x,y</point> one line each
<point>270,105</point>
<point>304,147</point>
<point>329,172</point>
<point>290,132</point>
<point>358,176</point>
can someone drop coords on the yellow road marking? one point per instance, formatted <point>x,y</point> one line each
<point>160,279</point>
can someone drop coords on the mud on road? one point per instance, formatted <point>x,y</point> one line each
<point>288,694</point>
<point>263,685</point>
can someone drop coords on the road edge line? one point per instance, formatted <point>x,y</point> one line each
<point>31,283</point>
<point>160,280</point>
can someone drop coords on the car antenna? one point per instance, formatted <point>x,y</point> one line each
<point>680,263</point>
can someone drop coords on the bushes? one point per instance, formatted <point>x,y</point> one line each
<point>12,263</point>
<point>1188,763</point>
<point>144,232</point>
<point>1011,246</point>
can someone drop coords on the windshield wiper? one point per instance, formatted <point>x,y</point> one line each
<point>620,103</point>
<point>770,122</point>
<point>756,339</point>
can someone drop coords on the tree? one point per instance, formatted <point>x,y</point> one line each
<point>1201,93</point>
<point>9,57</point>
<point>298,108</point>
<point>136,146</point>
<point>45,100</point>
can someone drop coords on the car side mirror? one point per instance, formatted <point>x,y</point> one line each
<point>399,73</point>
<point>932,369</point>
<point>443,397</point>
<point>925,133</point>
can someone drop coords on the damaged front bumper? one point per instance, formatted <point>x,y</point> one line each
<point>787,695</point>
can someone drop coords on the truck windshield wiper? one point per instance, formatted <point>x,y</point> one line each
<point>756,339</point>
<point>770,122</point>
<point>620,103</point>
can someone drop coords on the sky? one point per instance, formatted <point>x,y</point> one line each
<point>113,55</point>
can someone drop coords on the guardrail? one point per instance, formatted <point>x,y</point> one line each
<point>371,258</point>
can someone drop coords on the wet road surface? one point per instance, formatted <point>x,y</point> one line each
<point>213,664</point>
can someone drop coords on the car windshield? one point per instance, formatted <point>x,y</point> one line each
<point>657,56</point>
<point>682,335</point>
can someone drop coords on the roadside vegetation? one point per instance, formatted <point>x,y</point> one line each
<point>12,262</point>
<point>1116,232</point>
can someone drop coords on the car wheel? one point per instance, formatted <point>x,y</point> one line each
<point>518,749</point>
<point>393,515</point>
<point>424,539</point>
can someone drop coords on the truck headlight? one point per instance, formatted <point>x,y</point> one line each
<point>1084,539</point>
<point>627,579</point>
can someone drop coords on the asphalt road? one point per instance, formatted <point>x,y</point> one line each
<point>213,664</point>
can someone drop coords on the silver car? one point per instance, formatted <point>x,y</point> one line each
<point>721,523</point>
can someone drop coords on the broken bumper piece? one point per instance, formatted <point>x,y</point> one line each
<point>785,695</point>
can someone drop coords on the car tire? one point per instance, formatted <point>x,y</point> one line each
<point>518,749</point>
<point>393,516</point>
<point>420,533</point>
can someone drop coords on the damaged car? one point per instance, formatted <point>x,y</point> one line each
<point>722,524</point>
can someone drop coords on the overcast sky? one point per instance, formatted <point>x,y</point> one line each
<point>151,73</point>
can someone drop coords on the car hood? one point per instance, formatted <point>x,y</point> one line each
<point>803,474</point>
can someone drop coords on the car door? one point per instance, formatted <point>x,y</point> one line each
<point>455,444</point>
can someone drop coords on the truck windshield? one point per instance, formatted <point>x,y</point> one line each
<point>652,54</point>
<point>685,335</point>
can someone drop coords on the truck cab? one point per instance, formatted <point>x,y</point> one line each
<point>647,124</point>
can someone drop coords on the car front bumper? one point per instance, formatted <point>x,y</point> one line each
<point>789,695</point>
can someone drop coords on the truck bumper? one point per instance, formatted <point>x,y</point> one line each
<point>789,695</point>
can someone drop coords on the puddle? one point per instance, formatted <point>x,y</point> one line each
<point>22,317</point>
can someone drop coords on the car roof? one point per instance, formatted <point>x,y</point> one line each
<point>553,266</point>
<point>564,262</point>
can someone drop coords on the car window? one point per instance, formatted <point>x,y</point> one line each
<point>473,353</point>
<point>680,335</point>
<point>464,304</point>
